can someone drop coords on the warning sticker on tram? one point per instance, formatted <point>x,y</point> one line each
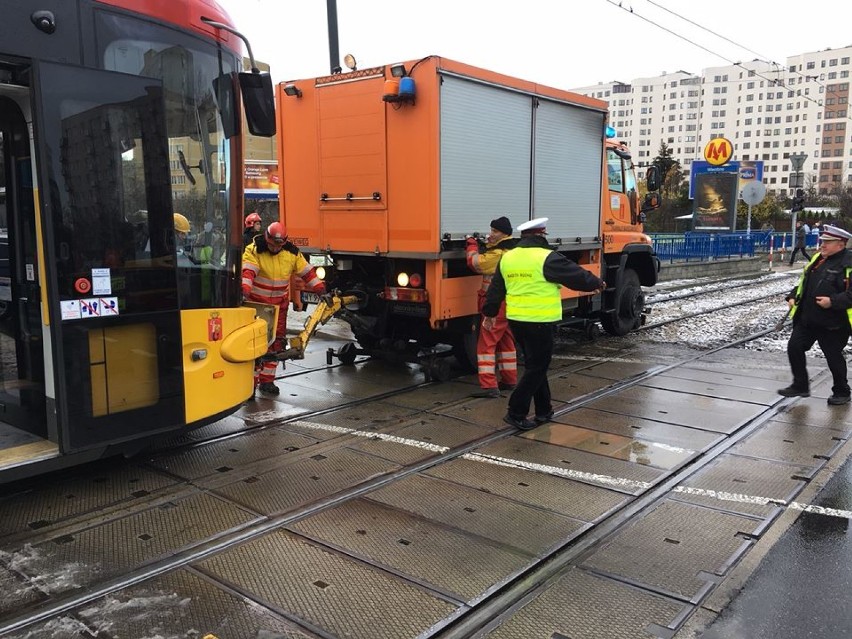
<point>88,308</point>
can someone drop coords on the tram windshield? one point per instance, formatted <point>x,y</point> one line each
<point>200,118</point>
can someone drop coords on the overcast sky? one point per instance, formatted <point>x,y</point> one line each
<point>563,43</point>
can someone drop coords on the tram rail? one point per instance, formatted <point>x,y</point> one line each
<point>469,619</point>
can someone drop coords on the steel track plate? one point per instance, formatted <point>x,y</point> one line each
<point>582,605</point>
<point>529,530</point>
<point>234,452</point>
<point>677,549</point>
<point>49,504</point>
<point>792,443</point>
<point>570,498</point>
<point>304,481</point>
<point>437,556</point>
<point>696,411</point>
<point>640,428</point>
<point>732,480</point>
<point>96,554</point>
<point>613,473</point>
<point>337,595</point>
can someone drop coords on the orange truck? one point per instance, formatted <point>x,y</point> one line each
<point>386,171</point>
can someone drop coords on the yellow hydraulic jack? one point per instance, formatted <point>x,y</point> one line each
<point>329,305</point>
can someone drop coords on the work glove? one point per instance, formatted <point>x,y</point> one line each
<point>246,291</point>
<point>471,245</point>
<point>320,289</point>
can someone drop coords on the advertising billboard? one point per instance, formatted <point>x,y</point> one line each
<point>714,191</point>
<point>261,179</point>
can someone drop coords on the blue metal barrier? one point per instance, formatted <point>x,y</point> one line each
<point>692,246</point>
<point>706,246</point>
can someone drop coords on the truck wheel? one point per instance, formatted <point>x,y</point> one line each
<point>628,307</point>
<point>464,349</point>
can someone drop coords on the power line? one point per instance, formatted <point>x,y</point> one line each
<point>772,81</point>
<point>737,44</point>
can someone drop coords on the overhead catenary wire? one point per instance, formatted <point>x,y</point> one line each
<point>773,81</point>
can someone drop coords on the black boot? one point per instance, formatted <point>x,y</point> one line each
<point>269,388</point>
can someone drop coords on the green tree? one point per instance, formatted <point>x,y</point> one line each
<point>766,213</point>
<point>674,194</point>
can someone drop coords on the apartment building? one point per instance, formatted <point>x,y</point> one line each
<point>767,111</point>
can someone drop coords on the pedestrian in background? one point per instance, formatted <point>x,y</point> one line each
<point>253,225</point>
<point>821,308</point>
<point>495,347</point>
<point>801,242</point>
<point>528,278</point>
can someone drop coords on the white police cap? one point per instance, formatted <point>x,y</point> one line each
<point>829,232</point>
<point>538,224</point>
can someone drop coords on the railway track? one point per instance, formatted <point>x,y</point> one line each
<point>471,618</point>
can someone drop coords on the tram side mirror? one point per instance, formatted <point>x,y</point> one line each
<point>223,89</point>
<point>259,103</point>
<point>652,178</point>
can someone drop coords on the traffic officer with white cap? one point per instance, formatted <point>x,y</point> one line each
<point>528,278</point>
<point>821,308</point>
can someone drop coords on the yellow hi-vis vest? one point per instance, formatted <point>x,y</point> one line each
<point>801,286</point>
<point>529,297</point>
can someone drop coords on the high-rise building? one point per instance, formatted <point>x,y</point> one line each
<point>765,110</point>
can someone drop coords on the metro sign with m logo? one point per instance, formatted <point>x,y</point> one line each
<point>718,151</point>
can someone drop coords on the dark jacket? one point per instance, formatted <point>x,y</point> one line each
<point>801,237</point>
<point>557,269</point>
<point>249,234</point>
<point>826,280</point>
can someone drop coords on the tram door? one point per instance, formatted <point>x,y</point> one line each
<point>22,383</point>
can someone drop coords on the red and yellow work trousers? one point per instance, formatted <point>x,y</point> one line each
<point>495,352</point>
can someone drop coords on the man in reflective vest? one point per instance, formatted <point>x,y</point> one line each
<point>268,262</point>
<point>821,308</point>
<point>528,278</point>
<point>494,347</point>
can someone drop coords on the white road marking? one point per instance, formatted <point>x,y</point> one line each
<point>595,478</point>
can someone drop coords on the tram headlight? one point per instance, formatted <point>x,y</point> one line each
<point>402,279</point>
<point>321,272</point>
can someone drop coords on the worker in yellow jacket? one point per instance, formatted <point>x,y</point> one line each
<point>495,347</point>
<point>268,263</point>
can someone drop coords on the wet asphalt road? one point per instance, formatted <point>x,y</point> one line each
<point>803,587</point>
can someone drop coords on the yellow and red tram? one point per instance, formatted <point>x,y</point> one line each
<point>119,123</point>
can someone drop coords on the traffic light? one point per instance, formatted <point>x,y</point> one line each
<point>798,202</point>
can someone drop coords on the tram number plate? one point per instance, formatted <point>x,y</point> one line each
<point>310,298</point>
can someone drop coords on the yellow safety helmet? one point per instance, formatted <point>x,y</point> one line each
<point>181,223</point>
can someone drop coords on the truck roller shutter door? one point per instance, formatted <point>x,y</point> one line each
<point>568,148</point>
<point>486,141</point>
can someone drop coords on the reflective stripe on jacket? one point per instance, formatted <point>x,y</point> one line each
<point>529,297</point>
<point>266,276</point>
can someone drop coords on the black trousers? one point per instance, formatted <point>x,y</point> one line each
<point>536,342</point>
<point>831,343</point>
<point>796,250</point>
